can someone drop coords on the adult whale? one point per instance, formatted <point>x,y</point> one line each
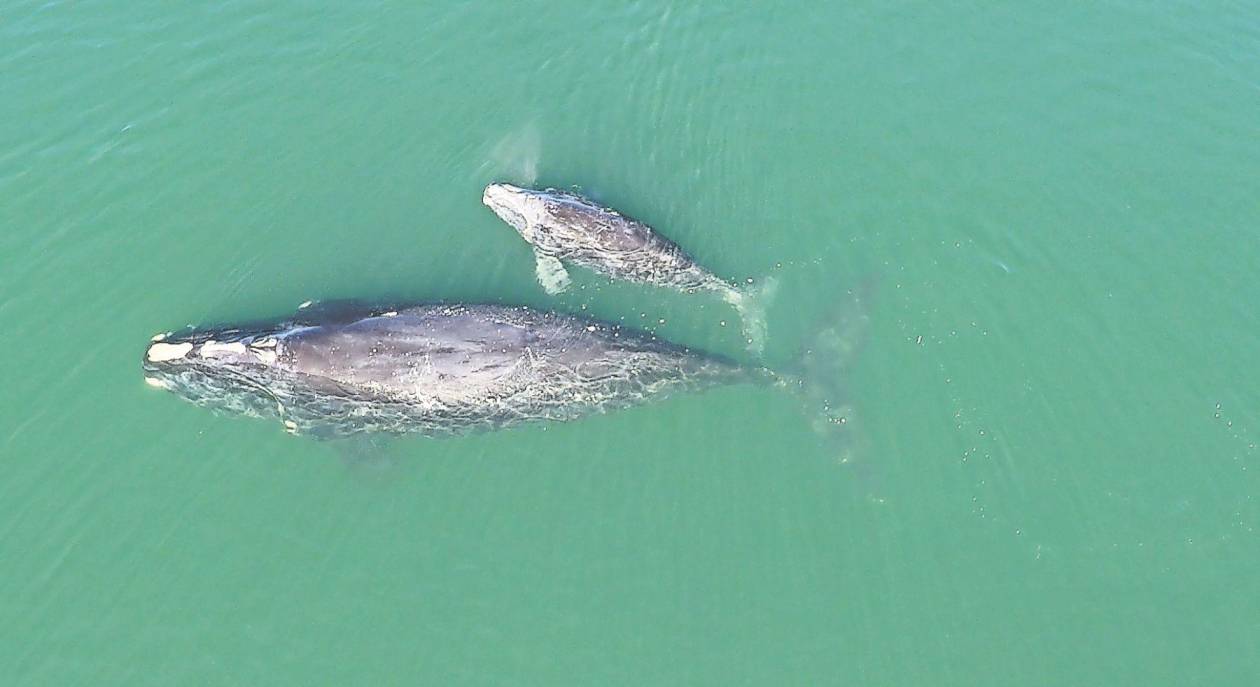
<point>565,227</point>
<point>432,369</point>
<point>439,369</point>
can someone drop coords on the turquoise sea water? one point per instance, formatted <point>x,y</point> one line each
<point>1057,402</point>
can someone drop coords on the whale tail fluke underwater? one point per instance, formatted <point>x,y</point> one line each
<point>751,303</point>
<point>823,367</point>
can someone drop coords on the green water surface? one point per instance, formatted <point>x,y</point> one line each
<point>1057,402</point>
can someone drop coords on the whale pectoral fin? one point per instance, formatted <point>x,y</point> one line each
<point>551,273</point>
<point>366,453</point>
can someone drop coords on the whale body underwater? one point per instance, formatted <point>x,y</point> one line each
<point>564,227</point>
<point>430,369</point>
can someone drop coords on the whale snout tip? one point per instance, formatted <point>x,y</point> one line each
<point>512,204</point>
<point>498,194</point>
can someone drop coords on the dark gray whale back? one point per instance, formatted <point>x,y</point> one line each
<point>429,369</point>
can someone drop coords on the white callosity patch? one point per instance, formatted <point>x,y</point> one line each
<point>264,350</point>
<point>157,383</point>
<point>214,349</point>
<point>162,352</point>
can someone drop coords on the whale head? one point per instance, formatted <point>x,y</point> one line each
<point>519,207</point>
<point>226,369</point>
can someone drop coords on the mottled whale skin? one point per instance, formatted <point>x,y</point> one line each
<point>429,369</point>
<point>565,227</point>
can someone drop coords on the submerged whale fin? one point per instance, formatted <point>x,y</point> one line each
<point>751,303</point>
<point>825,363</point>
<point>366,453</point>
<point>551,273</point>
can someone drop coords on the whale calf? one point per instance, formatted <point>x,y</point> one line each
<point>565,227</point>
<point>429,369</point>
